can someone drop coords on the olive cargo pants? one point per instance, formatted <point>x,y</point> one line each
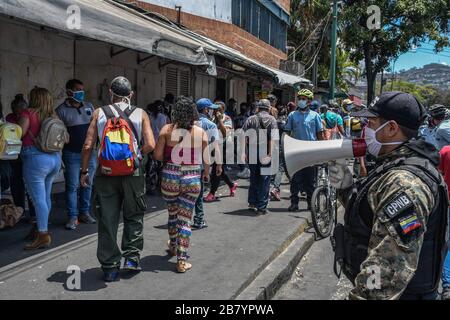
<point>111,194</point>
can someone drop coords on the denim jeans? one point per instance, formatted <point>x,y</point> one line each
<point>199,213</point>
<point>72,162</point>
<point>446,268</point>
<point>258,192</point>
<point>39,171</point>
<point>279,176</point>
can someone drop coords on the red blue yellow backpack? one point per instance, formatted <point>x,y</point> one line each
<point>117,156</point>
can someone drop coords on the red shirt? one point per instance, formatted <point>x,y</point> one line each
<point>35,126</point>
<point>444,165</point>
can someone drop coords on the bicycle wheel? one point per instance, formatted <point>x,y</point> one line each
<point>322,211</point>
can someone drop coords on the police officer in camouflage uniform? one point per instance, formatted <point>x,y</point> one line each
<point>393,242</point>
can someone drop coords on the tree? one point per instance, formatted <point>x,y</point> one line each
<point>403,23</point>
<point>347,71</point>
<point>305,17</point>
<point>427,94</point>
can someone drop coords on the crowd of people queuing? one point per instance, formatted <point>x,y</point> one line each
<point>107,158</point>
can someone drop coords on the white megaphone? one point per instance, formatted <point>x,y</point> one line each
<point>299,154</point>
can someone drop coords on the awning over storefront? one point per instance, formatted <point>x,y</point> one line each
<point>104,21</point>
<point>288,79</point>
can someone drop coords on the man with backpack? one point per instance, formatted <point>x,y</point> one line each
<point>258,192</point>
<point>76,114</point>
<point>125,135</point>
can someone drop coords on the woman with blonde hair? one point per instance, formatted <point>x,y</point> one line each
<point>39,168</point>
<point>183,148</point>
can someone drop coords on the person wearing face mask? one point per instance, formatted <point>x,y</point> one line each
<point>441,124</point>
<point>76,113</point>
<point>225,125</point>
<point>346,108</point>
<point>396,218</point>
<point>303,124</point>
<point>205,110</point>
<point>118,194</point>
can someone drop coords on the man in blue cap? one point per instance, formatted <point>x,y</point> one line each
<point>205,110</point>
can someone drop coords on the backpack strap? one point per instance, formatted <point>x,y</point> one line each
<point>125,115</point>
<point>108,112</point>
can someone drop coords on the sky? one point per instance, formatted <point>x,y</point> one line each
<point>422,56</point>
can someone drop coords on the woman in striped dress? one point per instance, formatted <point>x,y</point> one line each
<point>182,146</point>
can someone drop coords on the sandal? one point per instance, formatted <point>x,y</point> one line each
<point>183,266</point>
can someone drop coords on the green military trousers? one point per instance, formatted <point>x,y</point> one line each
<point>111,195</point>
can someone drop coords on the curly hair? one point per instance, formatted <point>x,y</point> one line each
<point>184,113</point>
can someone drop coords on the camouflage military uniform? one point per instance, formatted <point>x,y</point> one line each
<point>395,254</point>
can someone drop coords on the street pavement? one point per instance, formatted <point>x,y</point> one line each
<point>225,256</point>
<point>314,278</point>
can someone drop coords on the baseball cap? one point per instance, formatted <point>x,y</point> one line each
<point>264,104</point>
<point>401,107</point>
<point>437,110</point>
<point>205,103</point>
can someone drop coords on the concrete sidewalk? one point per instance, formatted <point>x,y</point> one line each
<point>226,257</point>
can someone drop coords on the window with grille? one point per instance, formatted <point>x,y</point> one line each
<point>256,19</point>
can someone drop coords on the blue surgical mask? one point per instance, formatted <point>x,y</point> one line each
<point>78,96</point>
<point>302,104</point>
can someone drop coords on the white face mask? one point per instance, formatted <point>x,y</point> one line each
<point>126,100</point>
<point>373,145</point>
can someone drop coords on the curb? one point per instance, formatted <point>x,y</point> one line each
<point>279,271</point>
<point>20,266</point>
<point>248,291</point>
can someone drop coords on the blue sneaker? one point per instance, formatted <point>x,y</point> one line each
<point>132,265</point>
<point>111,276</point>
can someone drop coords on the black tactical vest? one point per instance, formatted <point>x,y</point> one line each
<point>353,240</point>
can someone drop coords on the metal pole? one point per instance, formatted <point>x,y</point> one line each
<point>381,85</point>
<point>333,50</point>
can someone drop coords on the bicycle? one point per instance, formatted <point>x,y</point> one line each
<point>323,204</point>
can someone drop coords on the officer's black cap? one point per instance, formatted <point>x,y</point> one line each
<point>401,107</point>
<point>121,86</point>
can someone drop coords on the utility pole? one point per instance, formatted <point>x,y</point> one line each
<point>381,84</point>
<point>333,50</point>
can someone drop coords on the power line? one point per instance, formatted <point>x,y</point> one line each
<point>315,55</point>
<point>302,45</point>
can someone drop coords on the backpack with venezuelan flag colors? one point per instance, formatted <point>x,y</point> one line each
<point>117,156</point>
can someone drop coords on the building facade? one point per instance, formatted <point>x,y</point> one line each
<point>258,29</point>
